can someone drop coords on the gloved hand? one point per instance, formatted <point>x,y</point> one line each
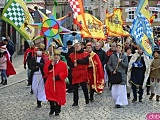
<point>133,64</point>
<point>25,66</point>
<point>50,67</point>
<point>57,77</point>
<point>139,64</point>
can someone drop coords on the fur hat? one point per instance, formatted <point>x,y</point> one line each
<point>69,42</point>
<point>156,49</point>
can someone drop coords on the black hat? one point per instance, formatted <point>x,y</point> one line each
<point>69,42</point>
<point>156,49</point>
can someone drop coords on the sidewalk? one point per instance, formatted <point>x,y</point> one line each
<point>21,73</point>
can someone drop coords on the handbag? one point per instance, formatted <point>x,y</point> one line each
<point>115,78</point>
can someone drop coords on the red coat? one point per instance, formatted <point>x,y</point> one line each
<point>10,69</point>
<point>79,73</point>
<point>56,93</point>
<point>96,73</point>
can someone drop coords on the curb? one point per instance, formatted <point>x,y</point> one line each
<point>13,83</point>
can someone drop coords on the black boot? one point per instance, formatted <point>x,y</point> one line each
<point>2,81</point>
<point>5,82</point>
<point>148,90</point>
<point>38,104</point>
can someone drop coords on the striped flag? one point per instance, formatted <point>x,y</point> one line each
<point>16,13</point>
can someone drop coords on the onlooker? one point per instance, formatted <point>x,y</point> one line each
<point>6,66</point>
<point>10,47</point>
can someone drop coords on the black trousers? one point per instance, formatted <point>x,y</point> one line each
<point>92,93</point>
<point>54,107</point>
<point>70,86</point>
<point>134,89</point>
<point>75,92</point>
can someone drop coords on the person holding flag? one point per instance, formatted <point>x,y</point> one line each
<point>138,73</point>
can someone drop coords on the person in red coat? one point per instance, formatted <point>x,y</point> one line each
<point>6,66</point>
<point>79,61</point>
<point>55,86</point>
<point>95,72</point>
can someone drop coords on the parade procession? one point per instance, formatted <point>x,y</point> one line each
<point>80,60</point>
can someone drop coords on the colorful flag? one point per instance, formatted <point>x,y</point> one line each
<point>95,27</point>
<point>16,13</point>
<point>141,29</point>
<point>114,23</point>
<point>78,11</point>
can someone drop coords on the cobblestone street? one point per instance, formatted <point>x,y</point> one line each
<point>16,103</point>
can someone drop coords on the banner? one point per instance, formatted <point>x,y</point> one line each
<point>77,7</point>
<point>141,29</point>
<point>94,26</point>
<point>16,13</point>
<point>114,23</point>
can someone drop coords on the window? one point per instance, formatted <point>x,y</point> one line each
<point>155,12</point>
<point>131,15</point>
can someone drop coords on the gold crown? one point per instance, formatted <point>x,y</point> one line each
<point>41,45</point>
<point>57,52</point>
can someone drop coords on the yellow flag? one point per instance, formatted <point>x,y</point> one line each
<point>94,26</point>
<point>114,23</point>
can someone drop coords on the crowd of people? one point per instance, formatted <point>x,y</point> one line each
<point>89,65</point>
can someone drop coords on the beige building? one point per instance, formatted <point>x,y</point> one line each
<point>129,8</point>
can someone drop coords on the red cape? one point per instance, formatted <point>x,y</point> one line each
<point>10,69</point>
<point>56,91</point>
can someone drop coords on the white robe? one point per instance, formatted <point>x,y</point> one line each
<point>38,85</point>
<point>119,94</point>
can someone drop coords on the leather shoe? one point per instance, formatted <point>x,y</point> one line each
<point>74,104</point>
<point>87,101</point>
<point>134,100</point>
<point>118,106</point>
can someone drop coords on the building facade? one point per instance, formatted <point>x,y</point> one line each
<point>129,8</point>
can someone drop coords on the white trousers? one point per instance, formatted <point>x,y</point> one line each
<point>155,87</point>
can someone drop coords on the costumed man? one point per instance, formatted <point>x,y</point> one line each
<point>36,65</point>
<point>29,53</point>
<point>118,63</point>
<point>95,73</point>
<point>79,61</point>
<point>155,75</point>
<point>6,66</point>
<point>55,86</point>
<point>138,73</point>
